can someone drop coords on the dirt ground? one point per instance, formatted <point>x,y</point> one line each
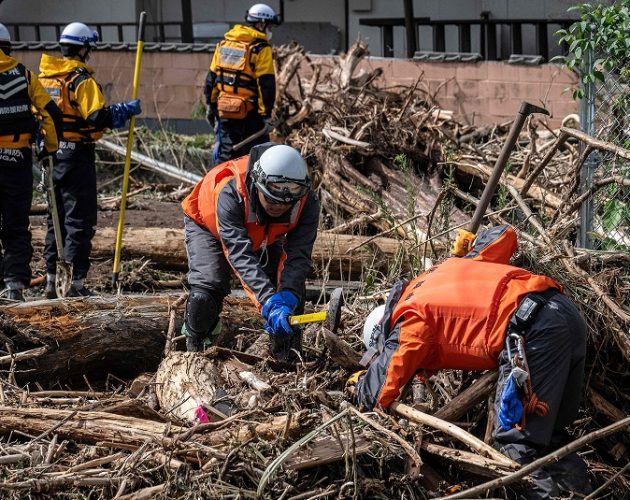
<point>140,213</point>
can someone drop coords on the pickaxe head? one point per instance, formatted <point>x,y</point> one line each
<point>333,315</point>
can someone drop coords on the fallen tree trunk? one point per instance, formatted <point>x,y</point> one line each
<point>165,247</point>
<point>84,426</point>
<point>96,336</point>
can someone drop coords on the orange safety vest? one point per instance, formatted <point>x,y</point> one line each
<point>61,89</point>
<point>201,204</point>
<point>466,306</point>
<point>236,78</point>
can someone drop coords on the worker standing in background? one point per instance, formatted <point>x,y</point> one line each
<point>70,82</point>
<point>20,93</point>
<point>477,313</point>
<point>240,88</point>
<point>258,216</point>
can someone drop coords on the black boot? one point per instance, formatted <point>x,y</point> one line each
<point>50,292</point>
<point>79,292</point>
<point>14,294</point>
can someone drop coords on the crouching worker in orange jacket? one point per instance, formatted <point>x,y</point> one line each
<point>258,216</point>
<point>477,313</point>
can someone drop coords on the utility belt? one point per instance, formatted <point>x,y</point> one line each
<point>527,311</point>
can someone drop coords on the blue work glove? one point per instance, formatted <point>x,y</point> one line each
<point>277,310</point>
<point>122,111</point>
<point>510,406</point>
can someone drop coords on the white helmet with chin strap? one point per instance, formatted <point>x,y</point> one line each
<point>281,174</point>
<point>372,331</point>
<point>262,13</point>
<point>78,34</point>
<point>5,36</point>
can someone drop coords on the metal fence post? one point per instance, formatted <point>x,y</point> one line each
<point>587,119</point>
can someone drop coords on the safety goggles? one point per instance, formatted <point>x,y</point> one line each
<point>282,193</point>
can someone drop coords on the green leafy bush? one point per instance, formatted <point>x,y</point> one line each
<point>602,30</point>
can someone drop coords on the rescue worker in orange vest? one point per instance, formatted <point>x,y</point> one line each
<point>20,94</point>
<point>480,313</point>
<point>70,82</point>
<point>240,88</point>
<point>258,216</point>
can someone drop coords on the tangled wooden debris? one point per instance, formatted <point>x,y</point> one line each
<point>98,399</point>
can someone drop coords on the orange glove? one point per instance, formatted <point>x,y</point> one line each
<point>463,243</point>
<point>354,378</point>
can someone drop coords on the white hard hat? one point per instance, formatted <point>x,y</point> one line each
<point>372,331</point>
<point>281,174</point>
<point>78,34</point>
<point>5,36</point>
<point>261,12</point>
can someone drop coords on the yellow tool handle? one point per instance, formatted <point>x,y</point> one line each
<point>126,170</point>
<point>307,318</point>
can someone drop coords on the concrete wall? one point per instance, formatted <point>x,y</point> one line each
<point>481,93</point>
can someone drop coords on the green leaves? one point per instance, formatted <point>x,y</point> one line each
<point>602,30</point>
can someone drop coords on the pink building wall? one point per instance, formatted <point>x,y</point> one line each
<point>171,83</point>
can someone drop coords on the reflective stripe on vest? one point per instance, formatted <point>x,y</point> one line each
<point>235,74</point>
<point>201,204</point>
<point>75,127</point>
<point>17,123</point>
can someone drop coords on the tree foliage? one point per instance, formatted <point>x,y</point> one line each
<point>602,30</point>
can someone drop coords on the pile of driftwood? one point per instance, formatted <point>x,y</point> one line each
<point>421,198</point>
<point>97,397</point>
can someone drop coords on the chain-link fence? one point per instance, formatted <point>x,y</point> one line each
<point>605,114</point>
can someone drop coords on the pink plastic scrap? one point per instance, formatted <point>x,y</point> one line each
<point>201,415</point>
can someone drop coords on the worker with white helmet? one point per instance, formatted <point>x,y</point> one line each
<point>479,313</point>
<point>240,88</point>
<point>258,216</point>
<point>20,93</point>
<point>70,81</point>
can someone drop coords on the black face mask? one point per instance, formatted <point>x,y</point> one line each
<point>6,49</point>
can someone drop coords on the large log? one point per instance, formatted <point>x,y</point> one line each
<point>124,335</point>
<point>165,247</point>
<point>84,426</point>
<point>95,336</point>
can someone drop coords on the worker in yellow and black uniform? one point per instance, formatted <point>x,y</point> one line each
<point>240,88</point>
<point>21,94</point>
<point>71,84</point>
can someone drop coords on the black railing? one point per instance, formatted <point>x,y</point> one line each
<point>489,46</point>
<point>156,32</point>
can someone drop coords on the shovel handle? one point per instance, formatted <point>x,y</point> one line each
<point>302,319</point>
<point>491,186</point>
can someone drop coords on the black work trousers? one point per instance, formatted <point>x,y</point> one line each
<point>232,132</point>
<point>74,178</point>
<point>16,195</point>
<point>555,348</point>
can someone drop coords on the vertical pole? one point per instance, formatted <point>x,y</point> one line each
<point>125,183</point>
<point>587,119</point>
<point>187,27</point>
<point>410,29</point>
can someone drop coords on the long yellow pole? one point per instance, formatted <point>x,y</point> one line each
<point>125,183</point>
